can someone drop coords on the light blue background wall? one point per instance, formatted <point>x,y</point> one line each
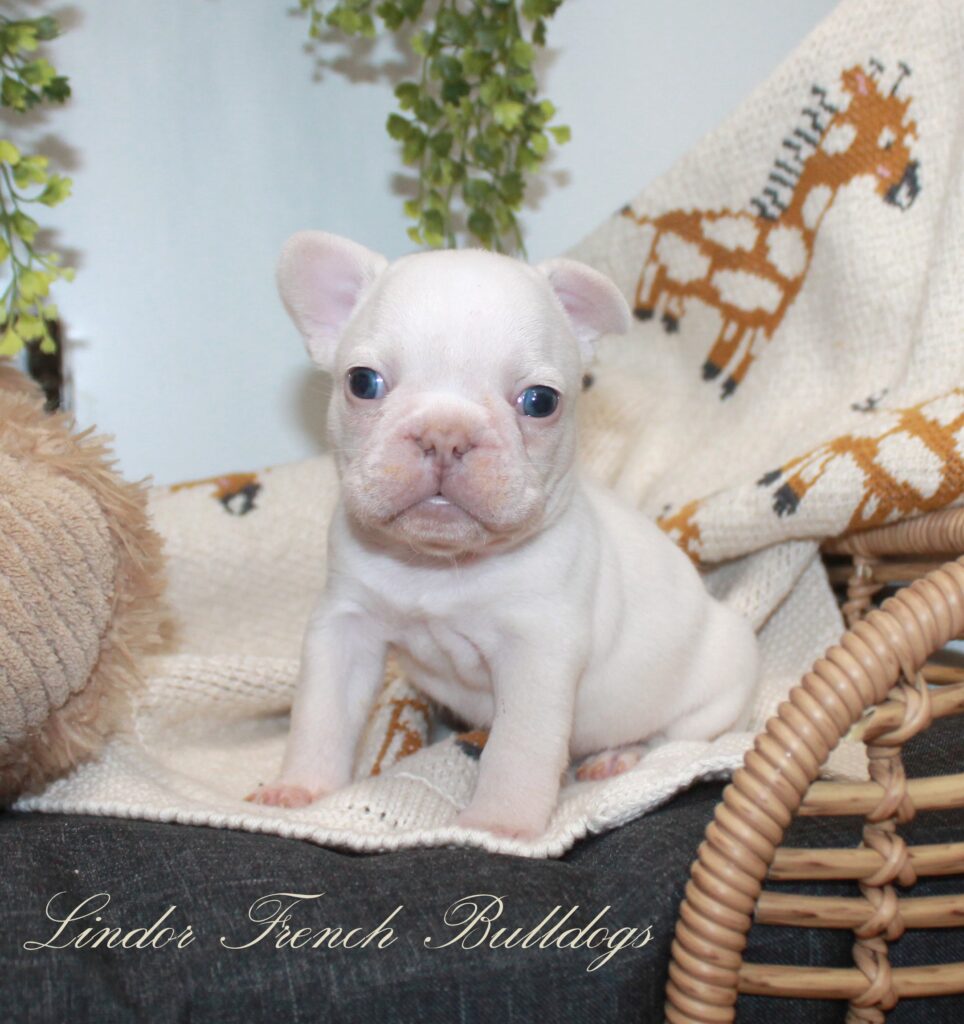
<point>204,132</point>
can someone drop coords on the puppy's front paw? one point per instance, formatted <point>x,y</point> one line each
<point>500,824</point>
<point>281,794</point>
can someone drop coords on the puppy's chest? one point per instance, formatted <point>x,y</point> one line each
<point>447,656</point>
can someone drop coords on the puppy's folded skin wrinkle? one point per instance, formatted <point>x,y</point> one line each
<point>517,594</point>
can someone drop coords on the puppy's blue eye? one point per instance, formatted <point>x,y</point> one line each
<point>363,382</point>
<point>538,401</point>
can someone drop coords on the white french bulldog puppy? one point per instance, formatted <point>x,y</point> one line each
<point>515,592</point>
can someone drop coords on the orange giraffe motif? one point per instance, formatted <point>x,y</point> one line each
<point>405,733</point>
<point>235,491</point>
<point>682,528</point>
<point>750,266</point>
<point>930,430</point>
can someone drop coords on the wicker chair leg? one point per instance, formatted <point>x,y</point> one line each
<point>758,805</point>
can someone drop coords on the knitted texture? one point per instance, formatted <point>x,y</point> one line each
<point>795,370</point>
<point>79,580</point>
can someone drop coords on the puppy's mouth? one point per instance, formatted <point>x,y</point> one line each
<point>437,524</point>
<point>447,518</point>
<point>437,501</point>
<point>437,505</point>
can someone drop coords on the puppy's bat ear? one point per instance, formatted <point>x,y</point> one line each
<point>594,305</point>
<point>321,278</point>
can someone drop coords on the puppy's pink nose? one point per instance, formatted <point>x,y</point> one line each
<point>445,444</point>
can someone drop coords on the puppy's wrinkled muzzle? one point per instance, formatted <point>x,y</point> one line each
<point>438,444</point>
<point>446,444</point>
<point>437,475</point>
<point>444,474</point>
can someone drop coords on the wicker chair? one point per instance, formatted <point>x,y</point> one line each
<point>879,664</point>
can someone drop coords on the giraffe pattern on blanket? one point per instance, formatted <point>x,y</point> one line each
<point>235,491</point>
<point>904,463</point>
<point>750,265</point>
<point>911,461</point>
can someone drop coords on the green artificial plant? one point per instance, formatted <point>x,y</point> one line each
<point>472,124</point>
<point>25,182</point>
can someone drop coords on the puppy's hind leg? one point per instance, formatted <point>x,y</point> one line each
<point>725,677</point>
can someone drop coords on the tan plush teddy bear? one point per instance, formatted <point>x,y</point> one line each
<point>80,585</point>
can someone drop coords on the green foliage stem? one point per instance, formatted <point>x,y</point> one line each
<point>25,81</point>
<point>472,124</point>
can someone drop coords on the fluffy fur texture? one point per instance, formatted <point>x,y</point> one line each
<point>80,585</point>
<point>515,593</point>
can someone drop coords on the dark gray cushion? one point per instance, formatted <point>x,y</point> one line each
<point>213,876</point>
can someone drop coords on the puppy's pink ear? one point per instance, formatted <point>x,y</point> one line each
<point>321,278</point>
<point>594,305</point>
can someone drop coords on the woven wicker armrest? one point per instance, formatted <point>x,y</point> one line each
<point>876,665</point>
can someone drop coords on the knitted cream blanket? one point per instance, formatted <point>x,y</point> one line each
<point>796,370</point>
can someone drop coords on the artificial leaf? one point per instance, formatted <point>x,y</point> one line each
<point>10,342</point>
<point>398,126</point>
<point>9,153</point>
<point>508,114</point>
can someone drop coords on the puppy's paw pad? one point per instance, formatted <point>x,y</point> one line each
<point>280,794</point>
<point>609,763</point>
